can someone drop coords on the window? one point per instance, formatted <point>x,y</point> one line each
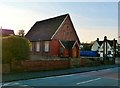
<point>31,46</point>
<point>66,35</point>
<point>70,35</point>
<point>46,46</point>
<point>37,46</point>
<point>109,52</point>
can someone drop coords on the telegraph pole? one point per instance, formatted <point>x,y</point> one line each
<point>114,50</point>
<point>105,49</point>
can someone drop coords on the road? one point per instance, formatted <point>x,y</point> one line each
<point>106,77</point>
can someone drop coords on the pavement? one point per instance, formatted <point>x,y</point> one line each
<point>32,75</point>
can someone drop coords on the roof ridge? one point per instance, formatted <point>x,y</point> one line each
<point>6,29</point>
<point>52,23</point>
<point>52,18</point>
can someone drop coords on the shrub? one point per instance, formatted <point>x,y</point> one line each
<point>14,48</point>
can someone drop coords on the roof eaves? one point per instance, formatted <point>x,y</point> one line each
<point>75,43</point>
<point>61,44</point>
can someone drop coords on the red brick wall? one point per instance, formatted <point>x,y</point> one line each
<point>40,65</point>
<point>67,27</point>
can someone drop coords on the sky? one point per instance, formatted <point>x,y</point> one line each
<point>91,20</point>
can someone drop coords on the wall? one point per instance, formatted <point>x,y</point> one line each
<point>40,65</point>
<point>95,46</point>
<point>5,68</point>
<point>75,62</point>
<point>66,27</point>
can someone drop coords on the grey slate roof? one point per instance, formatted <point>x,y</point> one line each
<point>111,42</point>
<point>100,42</point>
<point>44,30</point>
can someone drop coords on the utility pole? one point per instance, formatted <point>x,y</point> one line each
<point>114,50</point>
<point>105,49</point>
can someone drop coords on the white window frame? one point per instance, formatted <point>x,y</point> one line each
<point>46,49</point>
<point>37,46</point>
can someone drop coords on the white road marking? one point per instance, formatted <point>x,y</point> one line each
<point>24,85</point>
<point>0,85</point>
<point>88,81</point>
<point>46,77</point>
<point>66,75</point>
<point>109,69</point>
<point>11,83</point>
<point>6,84</point>
<point>54,77</point>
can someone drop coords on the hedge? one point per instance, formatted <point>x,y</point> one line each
<point>15,48</point>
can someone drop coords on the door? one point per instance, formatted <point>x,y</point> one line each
<point>74,52</point>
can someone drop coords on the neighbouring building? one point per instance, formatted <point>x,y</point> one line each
<point>54,37</point>
<point>6,32</point>
<point>105,48</point>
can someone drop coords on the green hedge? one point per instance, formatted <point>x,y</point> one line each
<point>15,48</point>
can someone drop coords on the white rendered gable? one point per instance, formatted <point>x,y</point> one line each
<point>95,46</point>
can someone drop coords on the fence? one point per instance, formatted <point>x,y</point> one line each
<point>88,53</point>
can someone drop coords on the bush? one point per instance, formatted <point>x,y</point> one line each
<point>15,49</point>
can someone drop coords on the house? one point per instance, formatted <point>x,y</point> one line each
<point>54,37</point>
<point>118,50</point>
<point>105,48</point>
<point>6,32</point>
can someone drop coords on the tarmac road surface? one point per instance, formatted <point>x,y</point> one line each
<point>105,77</point>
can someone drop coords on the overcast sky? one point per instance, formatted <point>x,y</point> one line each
<point>91,20</point>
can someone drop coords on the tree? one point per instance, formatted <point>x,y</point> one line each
<point>14,49</point>
<point>86,46</point>
<point>21,33</point>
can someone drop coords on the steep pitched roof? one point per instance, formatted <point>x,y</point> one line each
<point>6,32</point>
<point>44,30</point>
<point>111,42</point>
<point>100,42</point>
